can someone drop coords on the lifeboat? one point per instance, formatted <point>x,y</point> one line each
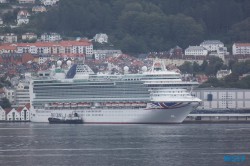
<point>87,104</point>
<point>108,104</point>
<point>115,104</point>
<point>121,104</point>
<point>137,104</point>
<point>66,104</point>
<point>127,104</point>
<point>73,105</point>
<point>134,104</point>
<point>80,104</point>
<point>60,105</point>
<point>54,104</point>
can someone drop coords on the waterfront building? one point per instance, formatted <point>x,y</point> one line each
<point>12,114</point>
<point>24,112</point>
<point>2,114</point>
<point>222,98</point>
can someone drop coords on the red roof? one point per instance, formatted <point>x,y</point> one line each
<point>67,43</point>
<point>7,47</point>
<point>27,106</point>
<point>7,110</point>
<point>19,109</point>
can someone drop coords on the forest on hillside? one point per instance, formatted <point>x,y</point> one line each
<point>138,26</point>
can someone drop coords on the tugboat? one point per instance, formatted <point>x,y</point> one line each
<point>71,119</point>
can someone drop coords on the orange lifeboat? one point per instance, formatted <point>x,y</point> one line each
<point>60,105</point>
<point>121,104</point>
<point>66,104</point>
<point>134,104</point>
<point>73,105</point>
<point>54,104</point>
<point>80,104</point>
<point>108,104</point>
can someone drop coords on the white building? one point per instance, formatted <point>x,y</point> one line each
<point>101,38</point>
<point>223,73</point>
<point>49,2</point>
<point>212,45</point>
<point>26,1</point>
<point>23,17</point>
<point>196,51</point>
<point>179,62</point>
<point>8,38</point>
<point>2,114</point>
<point>12,115</point>
<point>241,48</point>
<point>50,37</point>
<point>3,1</point>
<point>102,54</point>
<point>10,94</point>
<point>29,36</point>
<point>1,21</point>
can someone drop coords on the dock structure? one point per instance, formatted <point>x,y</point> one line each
<point>221,105</point>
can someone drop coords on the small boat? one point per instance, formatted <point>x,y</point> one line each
<point>71,119</point>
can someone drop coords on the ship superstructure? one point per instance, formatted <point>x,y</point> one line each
<point>151,96</point>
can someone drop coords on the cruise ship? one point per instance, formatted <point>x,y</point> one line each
<point>153,95</point>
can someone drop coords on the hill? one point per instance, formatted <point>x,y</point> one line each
<point>145,25</point>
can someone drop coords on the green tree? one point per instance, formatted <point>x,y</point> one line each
<point>5,103</point>
<point>186,67</point>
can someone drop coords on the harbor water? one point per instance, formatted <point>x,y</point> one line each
<point>42,144</point>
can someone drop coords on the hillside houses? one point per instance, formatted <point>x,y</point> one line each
<point>212,45</point>
<point>55,48</point>
<point>49,2</point>
<point>29,37</point>
<point>241,49</point>
<point>196,51</point>
<point>50,37</point>
<point>39,9</point>
<point>101,38</point>
<point>8,38</point>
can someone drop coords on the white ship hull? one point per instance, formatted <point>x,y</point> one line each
<point>120,116</point>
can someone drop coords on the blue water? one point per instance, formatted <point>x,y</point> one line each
<point>29,144</point>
